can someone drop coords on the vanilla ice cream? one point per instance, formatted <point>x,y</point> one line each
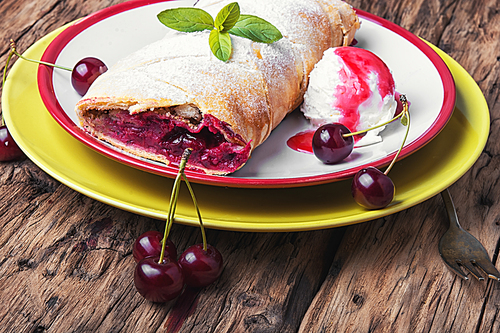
<point>351,86</point>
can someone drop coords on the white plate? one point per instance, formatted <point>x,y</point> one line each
<point>119,30</point>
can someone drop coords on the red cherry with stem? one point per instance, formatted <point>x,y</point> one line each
<point>149,245</point>
<point>85,72</point>
<point>9,150</point>
<point>201,263</point>
<point>372,189</point>
<point>330,145</point>
<point>201,267</point>
<point>333,142</point>
<point>158,281</point>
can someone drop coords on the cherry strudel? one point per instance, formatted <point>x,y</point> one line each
<point>174,93</point>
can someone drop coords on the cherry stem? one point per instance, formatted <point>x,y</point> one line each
<point>14,51</point>
<point>374,127</point>
<point>203,235</point>
<point>405,112</point>
<point>173,202</point>
<point>4,78</point>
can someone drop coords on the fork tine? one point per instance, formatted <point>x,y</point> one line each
<point>455,268</point>
<point>461,251</point>
<point>488,268</point>
<point>470,267</point>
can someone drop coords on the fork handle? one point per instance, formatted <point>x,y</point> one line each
<point>450,209</point>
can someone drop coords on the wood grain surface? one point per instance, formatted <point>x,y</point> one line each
<point>66,262</point>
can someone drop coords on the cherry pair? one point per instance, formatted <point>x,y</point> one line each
<point>163,282</point>
<point>159,276</point>
<point>370,187</point>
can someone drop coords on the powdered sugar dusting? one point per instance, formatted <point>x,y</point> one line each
<point>252,92</point>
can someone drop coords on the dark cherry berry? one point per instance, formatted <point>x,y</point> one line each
<point>85,72</point>
<point>201,268</point>
<point>158,282</point>
<point>9,150</point>
<point>149,245</point>
<point>372,189</point>
<point>329,144</point>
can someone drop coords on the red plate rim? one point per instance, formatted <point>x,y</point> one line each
<point>48,96</point>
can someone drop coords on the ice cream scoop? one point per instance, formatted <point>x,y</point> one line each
<point>351,86</point>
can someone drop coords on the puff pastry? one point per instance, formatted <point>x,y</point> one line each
<point>175,94</point>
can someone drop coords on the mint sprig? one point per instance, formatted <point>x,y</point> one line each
<point>256,29</point>
<point>228,21</point>
<point>186,19</point>
<point>220,44</point>
<point>227,17</point>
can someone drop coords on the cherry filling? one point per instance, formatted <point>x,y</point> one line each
<point>215,146</point>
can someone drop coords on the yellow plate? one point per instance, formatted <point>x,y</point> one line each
<point>417,178</point>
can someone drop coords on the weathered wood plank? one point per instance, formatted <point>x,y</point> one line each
<point>65,259</point>
<point>68,256</point>
<point>387,277</point>
<point>383,283</point>
<point>474,40</point>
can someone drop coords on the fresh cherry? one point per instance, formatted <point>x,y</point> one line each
<point>149,245</point>
<point>160,278</point>
<point>82,75</point>
<point>158,282</point>
<point>9,150</point>
<point>372,189</point>
<point>330,145</point>
<point>85,72</point>
<point>201,268</point>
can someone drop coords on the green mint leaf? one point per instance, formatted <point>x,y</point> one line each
<point>256,29</point>
<point>186,19</point>
<point>227,17</point>
<point>220,43</point>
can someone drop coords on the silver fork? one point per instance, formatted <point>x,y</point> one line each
<point>460,249</point>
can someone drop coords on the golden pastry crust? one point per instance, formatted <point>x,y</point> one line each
<point>252,92</point>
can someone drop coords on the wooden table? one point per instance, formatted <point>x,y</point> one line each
<point>66,263</point>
